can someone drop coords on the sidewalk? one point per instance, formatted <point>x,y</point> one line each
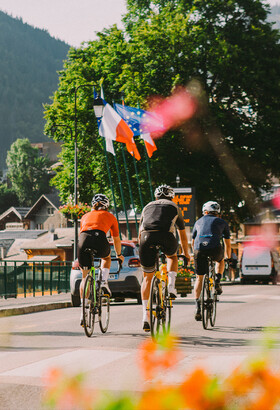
<point>30,304</point>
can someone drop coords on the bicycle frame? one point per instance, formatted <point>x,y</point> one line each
<point>209,296</point>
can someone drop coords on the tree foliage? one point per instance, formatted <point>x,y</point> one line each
<point>8,198</point>
<point>227,53</point>
<point>27,171</point>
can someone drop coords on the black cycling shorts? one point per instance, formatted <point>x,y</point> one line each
<point>95,240</point>
<point>147,247</point>
<point>200,259</point>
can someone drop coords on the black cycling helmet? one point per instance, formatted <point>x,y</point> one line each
<point>164,191</point>
<point>212,207</point>
<point>102,200</point>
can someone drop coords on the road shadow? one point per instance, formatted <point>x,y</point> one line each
<point>28,334</point>
<point>208,341</point>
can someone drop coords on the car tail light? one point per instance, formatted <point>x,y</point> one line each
<point>75,264</point>
<point>134,263</point>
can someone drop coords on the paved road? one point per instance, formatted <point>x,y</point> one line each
<point>32,343</point>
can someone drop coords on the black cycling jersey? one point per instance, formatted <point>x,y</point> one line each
<point>161,215</point>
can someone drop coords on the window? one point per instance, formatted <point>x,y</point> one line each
<point>50,211</point>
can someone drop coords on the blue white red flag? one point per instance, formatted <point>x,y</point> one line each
<point>136,118</point>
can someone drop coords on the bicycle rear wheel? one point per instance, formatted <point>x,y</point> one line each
<point>205,296</point>
<point>213,296</point>
<point>88,306</point>
<point>155,307</point>
<point>104,312</point>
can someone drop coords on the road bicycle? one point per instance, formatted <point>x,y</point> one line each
<point>160,303</point>
<point>95,301</point>
<point>209,296</point>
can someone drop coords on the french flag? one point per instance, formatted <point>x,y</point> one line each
<point>114,128</point>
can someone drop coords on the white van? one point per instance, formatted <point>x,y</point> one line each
<point>257,264</point>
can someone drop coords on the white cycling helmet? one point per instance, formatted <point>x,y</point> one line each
<point>164,191</point>
<point>102,200</point>
<point>211,207</point>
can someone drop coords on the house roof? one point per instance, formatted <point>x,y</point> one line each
<point>19,212</point>
<point>23,233</point>
<point>52,199</point>
<point>62,238</point>
<point>43,258</point>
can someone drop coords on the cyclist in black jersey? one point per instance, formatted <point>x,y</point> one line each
<point>158,223</point>
<point>208,231</point>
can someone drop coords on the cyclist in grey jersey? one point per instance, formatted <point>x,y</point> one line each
<point>158,224</point>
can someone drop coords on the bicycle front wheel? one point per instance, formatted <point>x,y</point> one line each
<point>88,306</point>
<point>104,312</point>
<point>205,297</point>
<point>167,309</point>
<point>155,307</point>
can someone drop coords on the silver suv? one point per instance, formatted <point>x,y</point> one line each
<point>126,284</point>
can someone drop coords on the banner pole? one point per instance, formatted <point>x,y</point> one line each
<point>130,190</point>
<point>122,197</point>
<point>111,183</point>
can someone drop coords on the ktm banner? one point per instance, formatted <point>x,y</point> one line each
<point>185,199</point>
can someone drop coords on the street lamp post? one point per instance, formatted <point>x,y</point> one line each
<point>76,182</point>
<point>178,180</point>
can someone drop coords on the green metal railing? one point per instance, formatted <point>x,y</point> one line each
<point>24,278</point>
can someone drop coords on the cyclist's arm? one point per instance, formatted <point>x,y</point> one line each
<point>118,247</point>
<point>184,243</point>
<point>227,243</point>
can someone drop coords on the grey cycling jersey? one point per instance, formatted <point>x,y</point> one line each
<point>161,215</point>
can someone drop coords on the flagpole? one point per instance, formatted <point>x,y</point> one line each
<point>138,182</point>
<point>122,196</point>
<point>148,169</point>
<point>111,184</point>
<point>149,174</point>
<point>130,191</point>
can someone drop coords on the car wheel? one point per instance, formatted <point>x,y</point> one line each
<point>139,299</point>
<point>76,300</point>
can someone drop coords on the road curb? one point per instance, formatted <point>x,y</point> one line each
<point>22,310</point>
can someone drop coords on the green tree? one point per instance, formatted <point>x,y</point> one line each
<point>228,54</point>
<point>27,171</point>
<point>8,198</point>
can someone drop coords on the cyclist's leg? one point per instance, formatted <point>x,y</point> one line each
<point>200,268</point>
<point>147,255</point>
<point>169,245</point>
<point>218,256</point>
<point>84,259</point>
<point>172,269</point>
<point>103,251</point>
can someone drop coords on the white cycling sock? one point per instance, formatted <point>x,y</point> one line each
<point>171,278</point>
<point>145,312</point>
<point>105,274</point>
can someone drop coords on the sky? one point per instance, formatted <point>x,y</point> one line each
<point>72,21</point>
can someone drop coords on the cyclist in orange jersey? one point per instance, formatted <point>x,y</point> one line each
<point>93,229</point>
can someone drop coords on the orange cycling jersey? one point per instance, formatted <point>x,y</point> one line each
<point>100,219</point>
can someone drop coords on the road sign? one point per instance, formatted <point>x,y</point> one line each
<point>185,199</point>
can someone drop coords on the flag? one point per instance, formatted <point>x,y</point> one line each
<point>134,118</point>
<point>114,128</point>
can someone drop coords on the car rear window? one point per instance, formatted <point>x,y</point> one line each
<point>126,251</point>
